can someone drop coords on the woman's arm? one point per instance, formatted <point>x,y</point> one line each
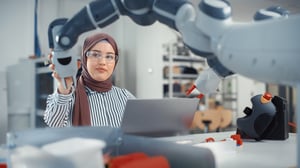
<point>58,109</point>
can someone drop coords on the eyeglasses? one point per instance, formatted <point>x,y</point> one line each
<point>109,58</point>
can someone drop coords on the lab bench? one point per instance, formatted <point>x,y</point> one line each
<point>188,151</point>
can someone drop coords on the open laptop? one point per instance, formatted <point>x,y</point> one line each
<point>159,117</point>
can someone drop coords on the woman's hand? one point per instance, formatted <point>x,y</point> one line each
<point>60,85</point>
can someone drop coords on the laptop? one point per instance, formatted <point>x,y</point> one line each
<point>159,117</point>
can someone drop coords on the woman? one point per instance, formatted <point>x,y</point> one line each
<point>94,101</point>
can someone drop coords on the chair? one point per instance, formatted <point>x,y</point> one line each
<point>212,119</point>
<point>208,120</point>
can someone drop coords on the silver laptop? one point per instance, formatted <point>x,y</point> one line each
<point>159,117</point>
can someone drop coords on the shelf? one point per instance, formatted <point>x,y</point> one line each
<point>229,99</point>
<point>229,96</point>
<point>40,112</point>
<point>44,96</point>
<point>42,70</point>
<point>30,94</point>
<point>180,70</point>
<point>183,76</point>
<point>184,58</point>
<point>180,94</point>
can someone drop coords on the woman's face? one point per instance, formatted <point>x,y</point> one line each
<point>100,64</point>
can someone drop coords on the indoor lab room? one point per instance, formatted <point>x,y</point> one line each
<point>198,83</point>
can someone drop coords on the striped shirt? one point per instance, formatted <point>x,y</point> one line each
<point>106,108</point>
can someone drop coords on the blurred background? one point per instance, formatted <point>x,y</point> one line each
<point>144,66</point>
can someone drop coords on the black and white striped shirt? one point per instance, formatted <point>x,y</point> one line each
<point>106,108</point>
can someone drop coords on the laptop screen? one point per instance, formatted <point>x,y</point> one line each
<point>159,117</point>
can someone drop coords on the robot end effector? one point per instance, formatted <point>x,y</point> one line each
<point>65,61</point>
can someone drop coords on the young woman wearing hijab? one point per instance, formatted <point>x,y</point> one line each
<point>95,101</point>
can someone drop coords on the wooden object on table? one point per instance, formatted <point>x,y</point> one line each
<point>207,115</point>
<point>226,117</point>
<point>219,118</point>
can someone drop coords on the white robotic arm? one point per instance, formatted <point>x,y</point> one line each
<point>177,14</point>
<point>265,50</point>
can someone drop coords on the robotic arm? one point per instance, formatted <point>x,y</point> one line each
<point>179,15</point>
<point>265,50</point>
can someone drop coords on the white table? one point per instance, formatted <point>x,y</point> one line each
<point>252,154</point>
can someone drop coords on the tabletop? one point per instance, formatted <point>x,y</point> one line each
<point>264,153</point>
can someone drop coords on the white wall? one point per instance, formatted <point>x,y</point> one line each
<point>144,44</point>
<point>16,31</point>
<point>17,26</point>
